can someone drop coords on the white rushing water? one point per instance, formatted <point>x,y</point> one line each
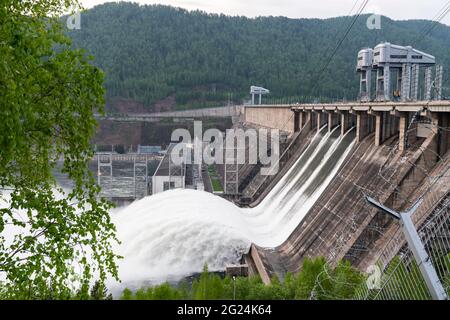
<point>173,234</point>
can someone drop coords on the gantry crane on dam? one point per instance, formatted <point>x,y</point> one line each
<point>405,63</point>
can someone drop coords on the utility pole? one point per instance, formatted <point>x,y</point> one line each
<point>234,287</point>
<point>429,274</point>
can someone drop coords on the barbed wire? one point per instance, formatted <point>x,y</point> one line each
<point>412,281</point>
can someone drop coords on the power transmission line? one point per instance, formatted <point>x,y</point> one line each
<point>442,13</point>
<point>338,31</point>
<point>360,10</point>
<point>349,27</point>
<point>349,14</point>
<point>439,19</point>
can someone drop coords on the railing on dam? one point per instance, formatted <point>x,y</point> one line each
<point>218,112</point>
<point>421,106</point>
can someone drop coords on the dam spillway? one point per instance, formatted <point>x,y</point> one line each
<point>173,234</point>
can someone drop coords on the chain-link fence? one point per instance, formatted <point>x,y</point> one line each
<point>401,279</point>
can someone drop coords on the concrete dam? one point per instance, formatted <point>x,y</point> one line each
<point>398,153</point>
<point>333,156</point>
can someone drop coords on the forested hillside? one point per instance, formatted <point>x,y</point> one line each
<point>164,56</point>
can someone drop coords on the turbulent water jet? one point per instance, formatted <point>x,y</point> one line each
<point>173,234</point>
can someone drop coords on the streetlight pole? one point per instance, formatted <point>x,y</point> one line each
<point>234,287</point>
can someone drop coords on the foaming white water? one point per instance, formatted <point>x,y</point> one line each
<point>275,222</point>
<point>173,234</point>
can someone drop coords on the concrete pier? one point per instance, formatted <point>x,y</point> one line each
<point>402,131</point>
<point>362,125</point>
<point>320,119</point>
<point>298,119</point>
<point>305,121</point>
<point>378,128</point>
<point>333,120</point>
<point>346,121</point>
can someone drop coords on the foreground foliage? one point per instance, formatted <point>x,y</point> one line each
<point>315,280</point>
<point>52,243</point>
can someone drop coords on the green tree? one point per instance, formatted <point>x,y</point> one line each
<point>311,274</point>
<point>208,287</point>
<point>127,294</point>
<point>50,240</point>
<point>165,292</point>
<point>100,292</point>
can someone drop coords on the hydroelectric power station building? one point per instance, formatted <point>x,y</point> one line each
<point>398,71</point>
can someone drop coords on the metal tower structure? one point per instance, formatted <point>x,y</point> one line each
<point>231,171</point>
<point>405,83</point>
<point>140,176</point>
<point>438,82</point>
<point>104,167</point>
<point>415,82</point>
<point>364,67</point>
<point>428,83</point>
<point>177,170</point>
<point>258,91</point>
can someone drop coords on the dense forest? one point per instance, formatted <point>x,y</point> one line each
<point>160,55</point>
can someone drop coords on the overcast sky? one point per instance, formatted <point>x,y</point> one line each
<point>396,9</point>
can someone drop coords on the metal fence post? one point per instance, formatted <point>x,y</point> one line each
<point>427,270</point>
